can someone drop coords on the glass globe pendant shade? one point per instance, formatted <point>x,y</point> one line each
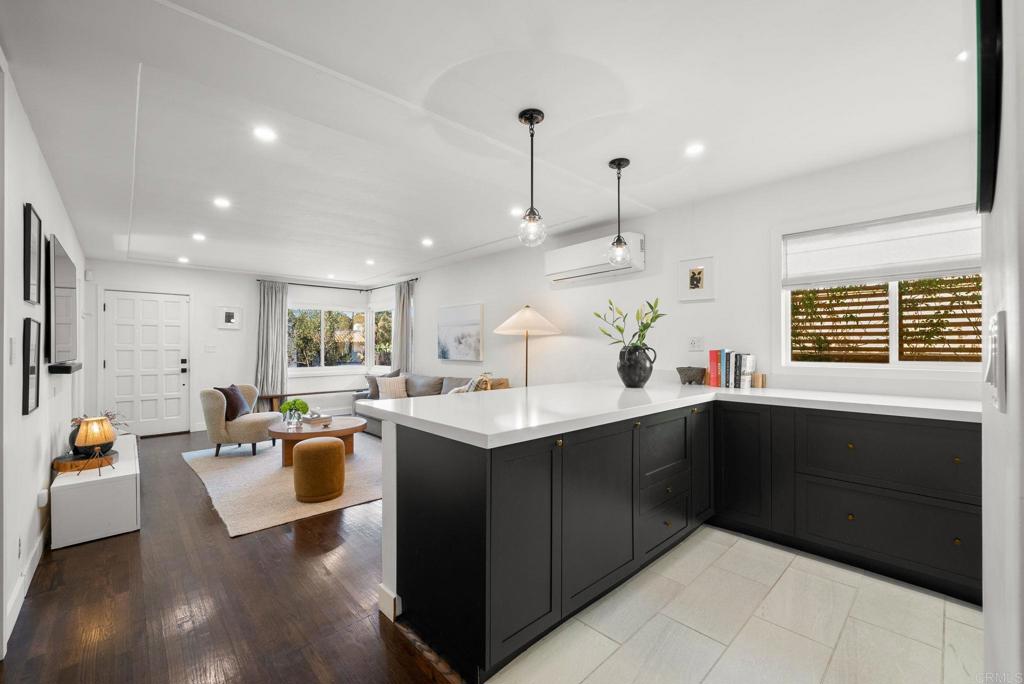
<point>532,231</point>
<point>618,252</point>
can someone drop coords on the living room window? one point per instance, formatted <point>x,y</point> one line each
<point>326,338</point>
<point>382,322</point>
<point>904,292</point>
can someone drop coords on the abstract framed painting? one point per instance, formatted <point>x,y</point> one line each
<point>460,332</point>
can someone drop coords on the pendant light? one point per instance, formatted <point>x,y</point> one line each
<point>618,251</point>
<point>531,230</point>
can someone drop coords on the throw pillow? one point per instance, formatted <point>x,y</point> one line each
<point>392,388</point>
<point>480,383</point>
<point>236,403</point>
<point>371,382</point>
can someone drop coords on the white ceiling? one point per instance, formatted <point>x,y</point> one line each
<point>397,120</point>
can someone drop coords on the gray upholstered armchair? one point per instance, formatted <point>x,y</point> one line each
<point>247,429</point>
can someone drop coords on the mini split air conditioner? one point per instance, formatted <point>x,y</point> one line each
<point>587,260</point>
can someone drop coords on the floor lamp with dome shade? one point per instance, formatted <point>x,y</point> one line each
<point>527,322</point>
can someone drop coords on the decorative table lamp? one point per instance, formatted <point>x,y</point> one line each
<point>527,322</point>
<point>95,432</point>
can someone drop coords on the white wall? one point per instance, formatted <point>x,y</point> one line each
<point>29,442</point>
<point>737,229</point>
<point>1003,433</point>
<point>216,357</point>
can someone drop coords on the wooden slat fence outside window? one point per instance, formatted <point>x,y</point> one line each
<point>940,319</point>
<point>847,324</point>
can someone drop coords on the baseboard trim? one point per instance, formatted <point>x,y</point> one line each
<point>17,600</point>
<point>389,603</point>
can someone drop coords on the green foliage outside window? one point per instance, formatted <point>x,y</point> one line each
<point>382,321</point>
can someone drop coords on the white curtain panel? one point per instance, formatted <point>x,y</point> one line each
<point>272,340</point>
<point>402,332</point>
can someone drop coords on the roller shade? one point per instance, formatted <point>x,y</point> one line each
<point>917,246</point>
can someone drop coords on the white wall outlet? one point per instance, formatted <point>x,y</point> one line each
<point>695,344</point>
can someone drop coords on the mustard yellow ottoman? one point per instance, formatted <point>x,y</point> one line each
<point>318,466</point>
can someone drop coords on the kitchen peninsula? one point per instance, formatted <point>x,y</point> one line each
<point>507,512</point>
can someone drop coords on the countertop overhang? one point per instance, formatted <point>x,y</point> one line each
<point>519,414</point>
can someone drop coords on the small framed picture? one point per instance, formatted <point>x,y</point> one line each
<point>33,255</point>
<point>229,317</point>
<point>697,279</point>
<point>30,367</point>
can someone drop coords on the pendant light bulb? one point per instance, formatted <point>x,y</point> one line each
<point>618,252</point>
<point>532,230</point>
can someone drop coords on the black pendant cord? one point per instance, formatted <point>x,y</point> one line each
<point>531,166</point>
<point>618,197</point>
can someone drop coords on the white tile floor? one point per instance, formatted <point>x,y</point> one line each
<point>726,608</point>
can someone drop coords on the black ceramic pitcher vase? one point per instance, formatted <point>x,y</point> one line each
<point>636,365</point>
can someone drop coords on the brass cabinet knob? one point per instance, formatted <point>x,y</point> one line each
<point>956,541</point>
<point>559,443</point>
<point>851,516</point>
<point>668,523</point>
<point>956,460</point>
<point>849,445</point>
<point>696,410</point>
<point>636,424</point>
<point>668,490</point>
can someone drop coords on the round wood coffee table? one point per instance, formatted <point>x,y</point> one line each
<point>342,427</point>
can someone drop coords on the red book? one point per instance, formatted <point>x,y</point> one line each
<point>715,366</point>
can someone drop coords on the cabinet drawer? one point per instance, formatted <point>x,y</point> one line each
<point>659,492</point>
<point>904,529</point>
<point>934,458</point>
<point>664,521</point>
<point>662,446</point>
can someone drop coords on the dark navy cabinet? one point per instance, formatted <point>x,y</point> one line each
<point>496,547</point>
<point>743,463</point>
<point>699,431</point>
<point>599,502</point>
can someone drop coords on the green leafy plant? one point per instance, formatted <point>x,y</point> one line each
<point>619,321</point>
<point>296,404</point>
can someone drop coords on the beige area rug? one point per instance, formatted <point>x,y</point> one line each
<point>254,492</point>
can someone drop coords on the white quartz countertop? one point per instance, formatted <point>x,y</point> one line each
<point>519,414</point>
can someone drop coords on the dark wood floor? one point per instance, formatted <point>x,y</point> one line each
<point>180,601</point>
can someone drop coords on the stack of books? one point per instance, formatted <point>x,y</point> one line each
<point>318,421</point>
<point>728,368</point>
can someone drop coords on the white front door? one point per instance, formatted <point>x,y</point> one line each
<point>145,360</point>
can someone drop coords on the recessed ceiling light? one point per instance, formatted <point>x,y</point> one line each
<point>198,237</point>
<point>221,202</point>
<point>427,242</point>
<point>516,211</point>
<point>962,56</point>
<point>330,276</point>
<point>182,260</point>
<point>264,133</point>
<point>370,262</point>
<point>694,149</point>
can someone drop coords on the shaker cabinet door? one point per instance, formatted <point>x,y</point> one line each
<point>743,464</point>
<point>525,528</point>
<point>599,502</point>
